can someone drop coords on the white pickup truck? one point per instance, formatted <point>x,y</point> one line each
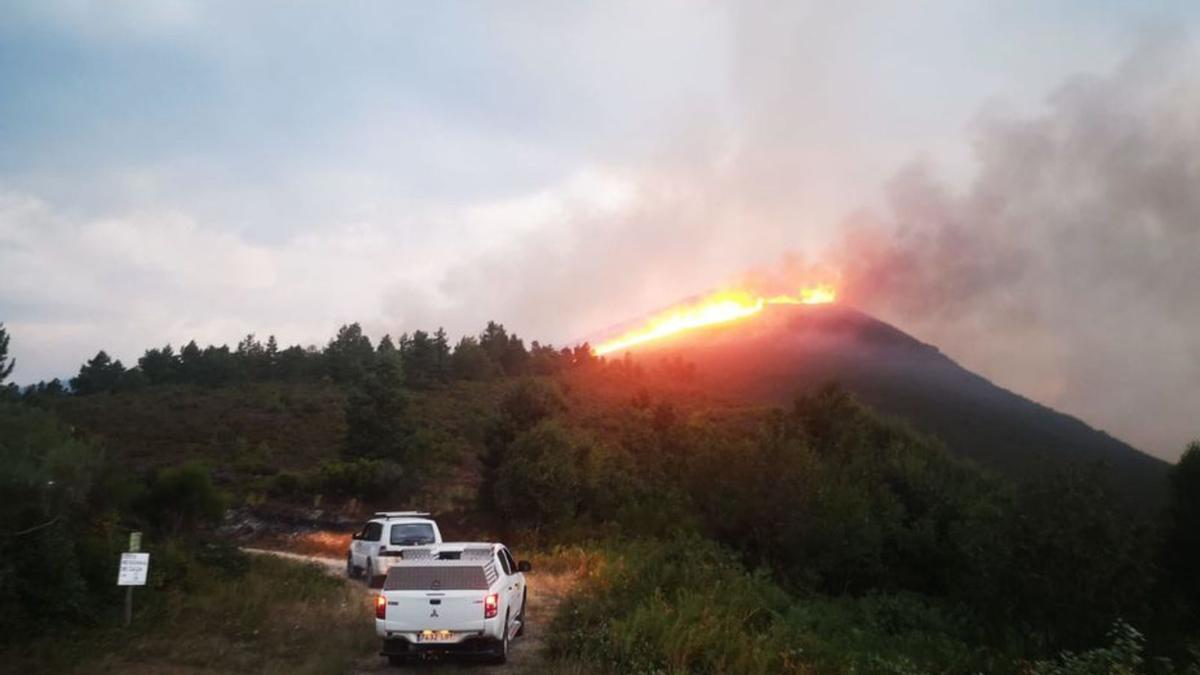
<point>460,598</point>
<point>383,538</point>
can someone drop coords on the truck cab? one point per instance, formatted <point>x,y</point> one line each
<point>457,598</point>
<point>382,539</point>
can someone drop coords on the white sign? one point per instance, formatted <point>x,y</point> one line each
<point>133,569</point>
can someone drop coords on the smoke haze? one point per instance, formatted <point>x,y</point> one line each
<point>1015,184</point>
<point>1066,270</point>
<point>1069,269</point>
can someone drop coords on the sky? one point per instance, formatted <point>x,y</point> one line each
<point>1013,182</point>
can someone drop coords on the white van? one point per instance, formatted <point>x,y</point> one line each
<point>381,540</point>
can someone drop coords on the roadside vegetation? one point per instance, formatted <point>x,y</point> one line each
<point>699,535</point>
<point>223,612</point>
<point>830,539</point>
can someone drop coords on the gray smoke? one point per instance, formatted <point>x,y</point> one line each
<point>1066,270</point>
<point>1069,269</point>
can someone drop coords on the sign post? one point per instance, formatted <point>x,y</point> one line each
<point>134,566</point>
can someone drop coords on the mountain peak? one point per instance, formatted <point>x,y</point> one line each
<point>788,350</point>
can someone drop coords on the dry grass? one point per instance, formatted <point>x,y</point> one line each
<point>279,617</point>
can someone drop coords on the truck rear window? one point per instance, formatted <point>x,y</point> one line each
<point>438,578</point>
<point>411,534</point>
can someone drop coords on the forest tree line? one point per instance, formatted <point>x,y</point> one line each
<point>423,358</point>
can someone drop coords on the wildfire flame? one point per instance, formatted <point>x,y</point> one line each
<point>718,308</point>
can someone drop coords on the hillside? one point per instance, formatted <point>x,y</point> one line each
<point>728,371</point>
<point>856,543</point>
<point>797,348</point>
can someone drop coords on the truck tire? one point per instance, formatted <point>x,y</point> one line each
<point>369,574</point>
<point>521,615</point>
<point>395,660</point>
<point>350,567</point>
<point>500,657</point>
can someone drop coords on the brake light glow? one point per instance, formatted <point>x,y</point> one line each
<point>380,607</point>
<point>491,605</point>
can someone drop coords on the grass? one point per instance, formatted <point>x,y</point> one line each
<point>276,616</point>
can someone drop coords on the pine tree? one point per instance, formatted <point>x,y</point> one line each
<point>386,346</point>
<point>99,374</point>
<point>191,363</point>
<point>349,356</point>
<point>251,358</point>
<point>421,360</point>
<point>1182,542</point>
<point>441,355</point>
<point>272,358</point>
<point>470,362</point>
<point>376,414</point>
<point>159,366</point>
<point>6,364</point>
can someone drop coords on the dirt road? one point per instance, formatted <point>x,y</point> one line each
<point>526,653</point>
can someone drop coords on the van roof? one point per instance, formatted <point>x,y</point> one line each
<point>400,514</point>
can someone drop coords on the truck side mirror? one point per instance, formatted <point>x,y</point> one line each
<point>356,536</point>
<point>524,566</point>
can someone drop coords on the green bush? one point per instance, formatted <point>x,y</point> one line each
<point>538,483</point>
<point>181,499</point>
<point>287,485</point>
<point>673,607</point>
<point>530,401</point>
<point>886,633</point>
<point>364,479</point>
<point>1122,657</point>
<point>59,537</point>
<point>686,606</point>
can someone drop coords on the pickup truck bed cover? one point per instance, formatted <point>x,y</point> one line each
<point>436,575</point>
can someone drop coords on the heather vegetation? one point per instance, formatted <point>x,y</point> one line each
<point>716,537</point>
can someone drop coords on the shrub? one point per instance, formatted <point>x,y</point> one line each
<point>682,606</point>
<point>181,499</point>
<point>538,483</point>
<point>687,606</point>
<point>57,543</point>
<point>365,479</point>
<point>530,401</point>
<point>1122,657</point>
<point>285,485</point>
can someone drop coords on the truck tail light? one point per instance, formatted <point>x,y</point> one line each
<point>380,607</point>
<point>491,605</point>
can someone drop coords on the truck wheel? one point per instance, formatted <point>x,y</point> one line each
<point>369,574</point>
<point>394,660</point>
<point>521,615</point>
<point>501,655</point>
<point>350,567</point>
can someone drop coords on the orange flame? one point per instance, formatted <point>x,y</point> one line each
<point>718,308</point>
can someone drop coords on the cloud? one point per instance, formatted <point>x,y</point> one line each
<point>214,169</point>
<point>75,284</point>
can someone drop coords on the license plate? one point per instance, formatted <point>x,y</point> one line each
<point>434,636</point>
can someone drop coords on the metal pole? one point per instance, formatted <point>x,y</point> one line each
<point>135,545</point>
